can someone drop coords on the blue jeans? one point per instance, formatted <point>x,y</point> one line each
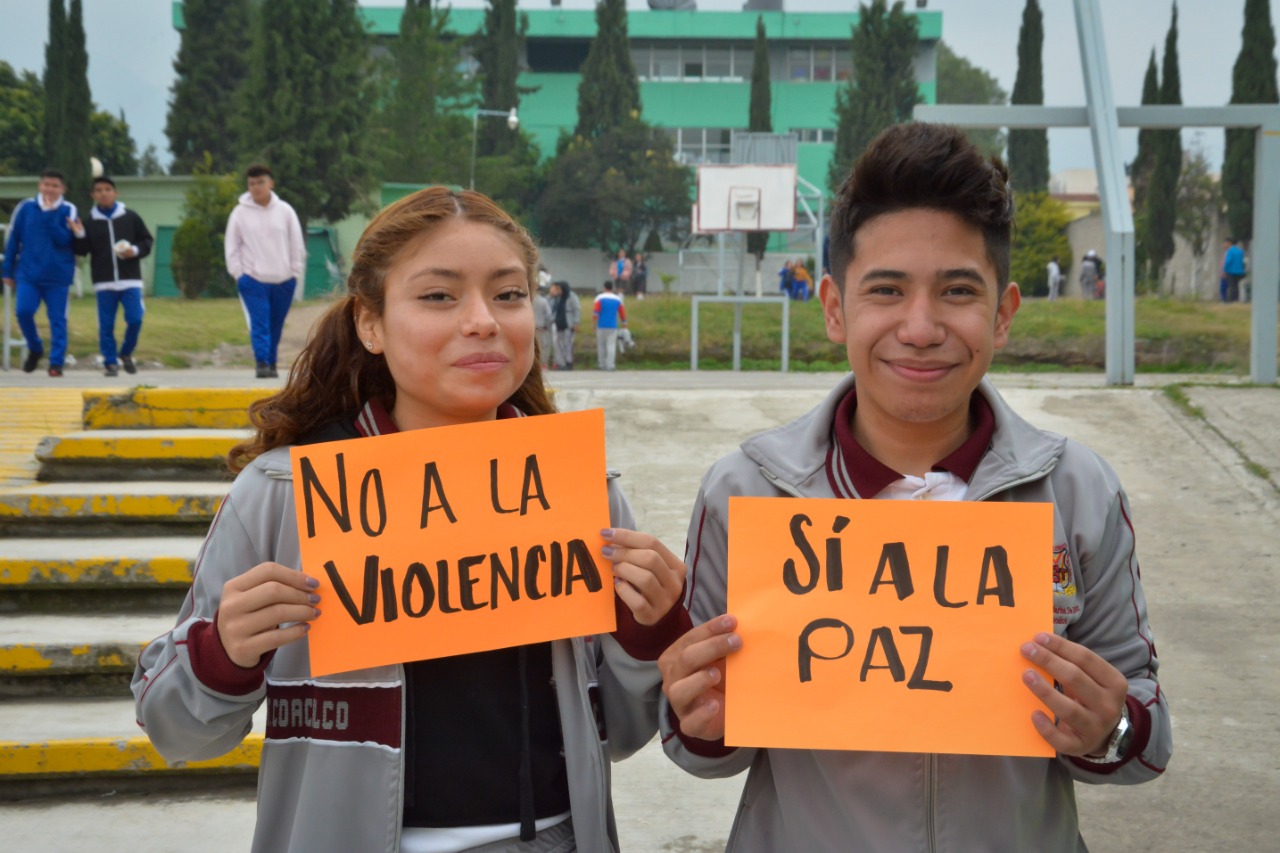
<point>265,307</point>
<point>108,303</point>
<point>27,302</point>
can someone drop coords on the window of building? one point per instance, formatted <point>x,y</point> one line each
<point>695,145</point>
<point>640,59</point>
<point>822,63</point>
<point>799,62</point>
<point>718,64</point>
<point>744,60</point>
<point>666,63</point>
<point>691,61</point>
<point>557,56</point>
<point>844,63</point>
<point>815,134</point>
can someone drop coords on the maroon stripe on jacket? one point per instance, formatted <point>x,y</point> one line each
<point>346,713</point>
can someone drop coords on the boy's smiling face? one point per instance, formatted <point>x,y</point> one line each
<point>920,318</point>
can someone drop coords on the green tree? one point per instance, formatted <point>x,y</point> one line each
<point>77,111</point>
<point>199,266</point>
<point>1253,81</point>
<point>307,105</point>
<point>416,133</point>
<point>1040,234</point>
<point>1029,149</point>
<point>497,49</point>
<point>21,122</point>
<point>149,163</point>
<point>55,84</point>
<point>507,168</point>
<point>112,144</point>
<point>962,82</point>
<point>1161,206</point>
<point>760,120</point>
<point>608,190</point>
<point>883,89</point>
<point>1200,203</point>
<point>211,66</point>
<point>1145,161</point>
<point>609,94</point>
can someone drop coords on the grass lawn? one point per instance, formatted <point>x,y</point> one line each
<point>1172,336</point>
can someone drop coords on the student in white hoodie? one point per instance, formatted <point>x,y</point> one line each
<point>266,256</point>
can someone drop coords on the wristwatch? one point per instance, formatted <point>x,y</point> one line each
<point>1119,742</point>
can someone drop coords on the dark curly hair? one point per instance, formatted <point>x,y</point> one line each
<point>334,374</point>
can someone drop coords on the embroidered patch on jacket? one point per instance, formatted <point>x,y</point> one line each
<point>1066,606</point>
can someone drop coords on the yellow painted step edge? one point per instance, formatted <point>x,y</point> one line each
<point>156,571</point>
<point>159,408</point>
<point>55,448</point>
<point>100,756</point>
<point>15,506</point>
<point>29,659</point>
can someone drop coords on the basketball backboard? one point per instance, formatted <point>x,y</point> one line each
<point>745,198</point>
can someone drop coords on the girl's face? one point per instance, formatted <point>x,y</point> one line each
<point>457,327</point>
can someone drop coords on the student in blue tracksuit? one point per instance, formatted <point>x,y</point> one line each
<point>39,264</point>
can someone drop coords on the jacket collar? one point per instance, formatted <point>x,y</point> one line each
<point>116,212</point>
<point>794,456</point>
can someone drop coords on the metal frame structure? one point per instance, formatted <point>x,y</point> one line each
<point>1104,119</point>
<point>738,302</point>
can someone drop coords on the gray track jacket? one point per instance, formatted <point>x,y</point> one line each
<point>814,801</point>
<point>331,777</point>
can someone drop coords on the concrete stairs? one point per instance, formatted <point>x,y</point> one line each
<point>96,553</point>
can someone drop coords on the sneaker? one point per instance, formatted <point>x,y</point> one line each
<point>55,371</point>
<point>127,362</point>
<point>111,370</point>
<point>273,374</point>
<point>30,362</point>
<point>263,371</point>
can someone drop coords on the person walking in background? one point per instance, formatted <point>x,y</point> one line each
<point>640,276</point>
<point>620,270</point>
<point>610,315</point>
<point>566,314</point>
<point>1232,269</point>
<point>1055,278</point>
<point>116,240</point>
<point>1091,276</point>
<point>543,321</point>
<point>266,256</point>
<point>801,282</point>
<point>786,278</point>
<point>39,264</point>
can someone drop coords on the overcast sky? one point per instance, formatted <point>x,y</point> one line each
<point>132,44</point>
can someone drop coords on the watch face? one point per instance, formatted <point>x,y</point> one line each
<point>1123,741</point>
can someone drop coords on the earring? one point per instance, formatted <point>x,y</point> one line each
<point>369,344</point>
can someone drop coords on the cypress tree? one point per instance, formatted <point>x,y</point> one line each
<point>609,94</point>
<point>1253,81</point>
<point>883,89</point>
<point>417,136</point>
<point>760,120</point>
<point>55,87</point>
<point>1029,149</point>
<point>1161,208</point>
<point>962,82</point>
<point>497,49</point>
<point>75,131</point>
<point>212,62</point>
<point>306,104</point>
<point>1144,162</point>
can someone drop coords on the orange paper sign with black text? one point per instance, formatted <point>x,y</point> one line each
<point>455,539</point>
<point>887,625</point>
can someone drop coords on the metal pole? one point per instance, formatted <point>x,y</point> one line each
<point>693,337</point>
<point>1264,269</point>
<point>786,335</point>
<point>737,335</point>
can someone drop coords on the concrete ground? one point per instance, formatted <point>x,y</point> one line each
<point>1207,512</point>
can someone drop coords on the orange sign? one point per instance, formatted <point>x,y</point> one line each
<point>887,625</point>
<point>456,539</point>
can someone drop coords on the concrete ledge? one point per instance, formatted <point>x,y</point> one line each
<point>114,757</point>
<point>168,408</point>
<point>86,563</point>
<point>109,509</point>
<point>46,659</point>
<point>190,454</point>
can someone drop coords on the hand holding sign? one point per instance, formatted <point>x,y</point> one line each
<point>693,670</point>
<point>1087,708</point>
<point>646,575</point>
<point>255,605</point>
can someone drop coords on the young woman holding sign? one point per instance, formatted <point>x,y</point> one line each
<point>497,751</point>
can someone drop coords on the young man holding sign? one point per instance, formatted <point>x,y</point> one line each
<point>462,718</point>
<point>919,296</point>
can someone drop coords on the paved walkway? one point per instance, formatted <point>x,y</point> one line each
<point>1207,511</point>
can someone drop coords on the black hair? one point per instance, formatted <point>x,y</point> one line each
<point>54,173</point>
<point>929,166</point>
<point>258,170</point>
<point>103,179</point>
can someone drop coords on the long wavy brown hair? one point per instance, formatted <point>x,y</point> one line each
<point>335,375</point>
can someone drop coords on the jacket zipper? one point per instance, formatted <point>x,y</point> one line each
<point>111,232</point>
